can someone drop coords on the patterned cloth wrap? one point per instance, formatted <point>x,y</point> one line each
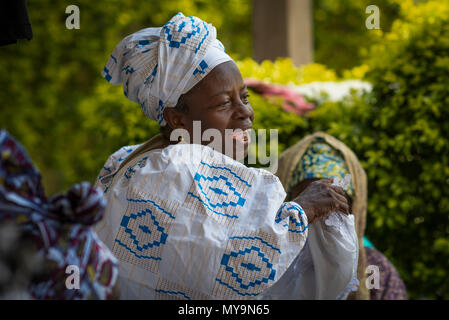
<point>157,65</point>
<point>187,222</point>
<point>391,286</point>
<point>60,225</point>
<point>321,161</point>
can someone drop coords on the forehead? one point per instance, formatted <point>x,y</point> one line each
<point>224,77</point>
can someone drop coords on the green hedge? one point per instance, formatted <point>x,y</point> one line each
<point>340,36</point>
<point>408,169</point>
<point>400,132</point>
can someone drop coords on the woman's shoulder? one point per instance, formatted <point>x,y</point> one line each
<point>185,164</point>
<point>114,160</point>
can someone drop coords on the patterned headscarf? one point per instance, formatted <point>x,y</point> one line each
<point>320,161</point>
<point>157,65</point>
<point>60,226</point>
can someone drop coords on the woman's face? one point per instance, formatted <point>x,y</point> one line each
<point>219,101</point>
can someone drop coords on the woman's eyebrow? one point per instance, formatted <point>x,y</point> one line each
<point>221,92</point>
<point>215,105</point>
<point>244,87</point>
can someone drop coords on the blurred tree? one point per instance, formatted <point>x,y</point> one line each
<point>340,35</point>
<point>409,158</point>
<point>44,80</point>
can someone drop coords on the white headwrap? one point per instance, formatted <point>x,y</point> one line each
<point>158,65</point>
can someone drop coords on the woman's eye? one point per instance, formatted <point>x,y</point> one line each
<point>224,104</point>
<point>245,98</point>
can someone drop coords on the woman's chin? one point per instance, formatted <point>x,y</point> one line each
<point>240,151</point>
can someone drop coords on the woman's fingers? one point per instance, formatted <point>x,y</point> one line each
<point>341,201</point>
<point>327,181</point>
<point>344,208</point>
<point>339,196</point>
<point>339,190</point>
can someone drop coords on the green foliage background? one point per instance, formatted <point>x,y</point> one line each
<point>53,98</point>
<point>339,40</point>
<point>55,102</point>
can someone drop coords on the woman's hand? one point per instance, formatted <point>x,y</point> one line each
<point>320,199</point>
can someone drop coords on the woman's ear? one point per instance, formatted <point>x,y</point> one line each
<point>174,118</point>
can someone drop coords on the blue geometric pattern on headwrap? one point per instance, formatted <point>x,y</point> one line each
<point>196,30</point>
<point>151,76</point>
<point>157,65</point>
<point>107,76</point>
<point>201,68</point>
<point>160,112</point>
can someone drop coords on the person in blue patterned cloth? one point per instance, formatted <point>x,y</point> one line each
<point>185,220</point>
<point>318,156</point>
<point>41,239</point>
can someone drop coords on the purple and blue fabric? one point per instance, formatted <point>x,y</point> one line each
<point>60,225</point>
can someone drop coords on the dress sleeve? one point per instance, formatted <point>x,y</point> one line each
<point>112,164</point>
<point>292,215</point>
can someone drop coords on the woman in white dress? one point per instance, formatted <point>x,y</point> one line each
<point>185,220</point>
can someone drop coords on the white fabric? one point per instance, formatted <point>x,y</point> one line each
<point>157,65</point>
<point>318,265</point>
<point>327,267</point>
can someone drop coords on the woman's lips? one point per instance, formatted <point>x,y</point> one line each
<point>242,137</point>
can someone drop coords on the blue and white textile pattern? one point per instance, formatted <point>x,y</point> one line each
<point>157,65</point>
<point>187,222</point>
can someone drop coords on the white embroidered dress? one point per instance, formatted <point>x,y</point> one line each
<point>187,222</point>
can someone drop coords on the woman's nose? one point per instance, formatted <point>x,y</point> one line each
<point>244,111</point>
